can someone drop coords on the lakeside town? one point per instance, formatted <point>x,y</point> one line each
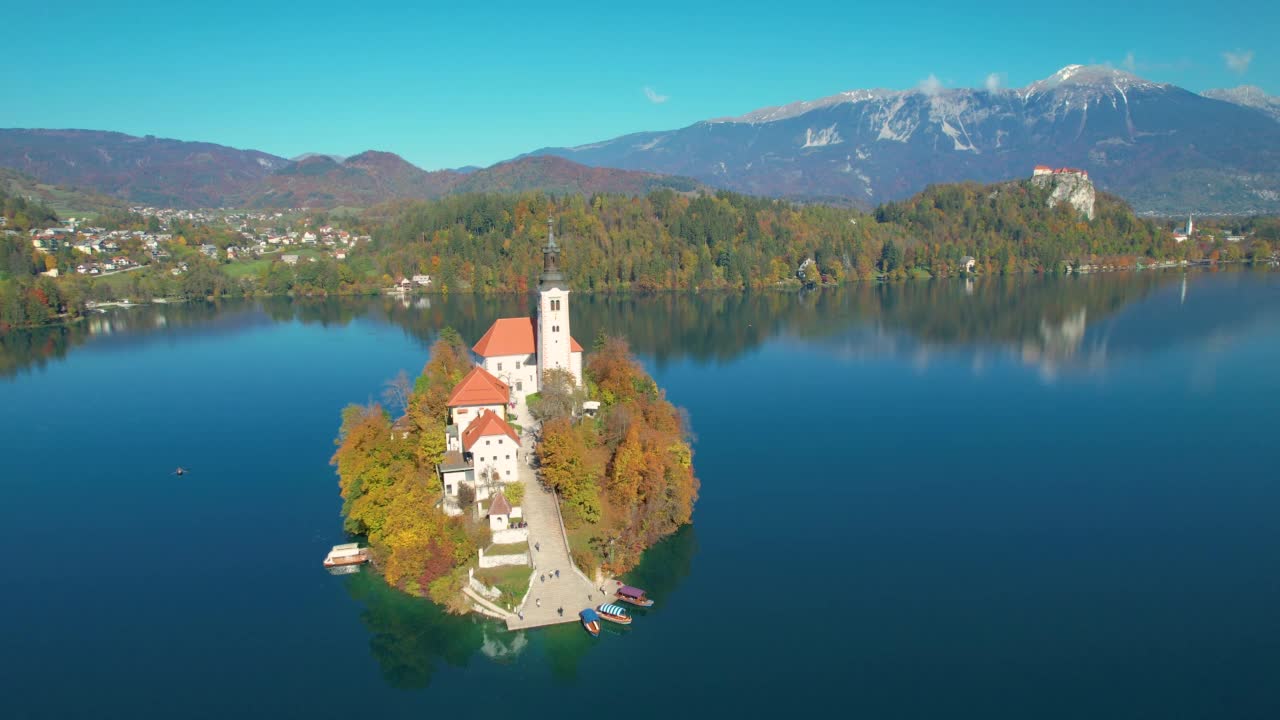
<point>250,236</point>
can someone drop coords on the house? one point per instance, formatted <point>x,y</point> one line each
<point>289,259</point>
<point>968,263</point>
<point>423,280</point>
<point>402,427</point>
<point>454,472</point>
<point>476,392</point>
<point>493,445</point>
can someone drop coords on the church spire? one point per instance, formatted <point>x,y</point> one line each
<point>551,258</point>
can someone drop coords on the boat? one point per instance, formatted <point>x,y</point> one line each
<point>590,621</point>
<point>346,554</point>
<point>614,613</point>
<point>633,595</point>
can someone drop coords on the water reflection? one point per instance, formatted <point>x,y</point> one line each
<point>410,637</point>
<point>1050,322</point>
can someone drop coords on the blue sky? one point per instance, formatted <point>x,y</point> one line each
<point>451,84</point>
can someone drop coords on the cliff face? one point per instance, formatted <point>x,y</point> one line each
<point>1069,187</point>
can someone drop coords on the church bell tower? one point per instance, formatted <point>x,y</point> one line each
<point>553,311</point>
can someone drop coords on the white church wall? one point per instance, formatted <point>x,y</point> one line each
<point>519,372</point>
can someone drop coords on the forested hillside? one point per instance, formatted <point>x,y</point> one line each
<point>668,240</point>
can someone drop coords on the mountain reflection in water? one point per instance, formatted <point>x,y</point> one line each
<point>1053,322</point>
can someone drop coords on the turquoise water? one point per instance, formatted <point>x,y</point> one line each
<point>1043,498</point>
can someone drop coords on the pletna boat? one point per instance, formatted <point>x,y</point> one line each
<point>590,621</point>
<point>633,595</point>
<point>614,613</point>
<point>346,554</point>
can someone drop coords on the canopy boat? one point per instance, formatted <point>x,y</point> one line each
<point>346,554</point>
<point>614,613</point>
<point>635,596</point>
<point>590,621</point>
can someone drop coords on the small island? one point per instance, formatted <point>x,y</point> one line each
<point>519,485</point>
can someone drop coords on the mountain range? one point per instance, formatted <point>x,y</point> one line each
<point>1162,148</point>
<point>162,172</point>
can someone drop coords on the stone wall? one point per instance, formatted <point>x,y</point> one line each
<point>487,592</point>
<point>510,535</point>
<point>489,561</point>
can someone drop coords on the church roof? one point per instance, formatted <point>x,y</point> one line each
<point>507,336</point>
<point>479,387</point>
<point>512,336</point>
<point>487,425</point>
<point>500,505</point>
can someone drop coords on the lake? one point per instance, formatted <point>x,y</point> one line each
<point>1039,497</point>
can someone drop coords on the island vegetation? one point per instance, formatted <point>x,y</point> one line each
<point>625,476</point>
<point>389,489</point>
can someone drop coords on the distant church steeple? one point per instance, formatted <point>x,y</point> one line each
<point>551,259</point>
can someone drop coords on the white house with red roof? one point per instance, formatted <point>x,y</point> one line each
<point>476,392</point>
<point>494,447</point>
<point>520,350</point>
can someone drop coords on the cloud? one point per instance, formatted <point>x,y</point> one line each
<point>1238,61</point>
<point>1129,62</point>
<point>654,97</point>
<point>994,82</point>
<point>931,85</point>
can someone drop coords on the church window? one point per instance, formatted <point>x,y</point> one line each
<point>486,442</point>
<point>519,387</point>
<point>499,367</point>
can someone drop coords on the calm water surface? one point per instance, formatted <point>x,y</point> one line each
<point>1042,498</point>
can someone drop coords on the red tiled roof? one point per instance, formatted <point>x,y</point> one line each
<point>479,387</point>
<point>487,425</point>
<point>512,336</point>
<point>500,505</point>
<point>507,336</point>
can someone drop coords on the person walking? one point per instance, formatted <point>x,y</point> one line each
<point>537,601</point>
<point>557,574</point>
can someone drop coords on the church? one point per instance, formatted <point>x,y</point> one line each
<point>514,354</point>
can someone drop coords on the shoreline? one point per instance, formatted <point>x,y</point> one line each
<point>65,319</point>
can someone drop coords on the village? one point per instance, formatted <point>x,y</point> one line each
<point>102,251</point>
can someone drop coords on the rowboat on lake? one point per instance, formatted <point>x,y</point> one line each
<point>590,621</point>
<point>614,613</point>
<point>346,554</point>
<point>633,595</point>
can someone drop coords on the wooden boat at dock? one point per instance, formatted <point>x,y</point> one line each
<point>614,613</point>
<point>633,595</point>
<point>346,554</point>
<point>590,621</point>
